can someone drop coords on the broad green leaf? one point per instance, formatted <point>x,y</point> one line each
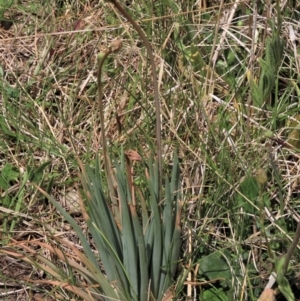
<point>250,191</point>
<point>285,289</point>
<point>249,195</point>
<point>214,294</point>
<point>215,267</point>
<point>283,283</point>
<point>8,173</point>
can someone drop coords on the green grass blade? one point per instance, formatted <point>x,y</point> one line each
<point>130,256</point>
<point>98,207</point>
<point>105,231</point>
<point>157,231</point>
<point>171,229</point>
<point>107,289</point>
<point>176,241</point>
<point>113,265</point>
<point>168,226</point>
<point>143,264</point>
<point>149,238</point>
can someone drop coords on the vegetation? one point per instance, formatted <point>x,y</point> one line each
<point>112,191</point>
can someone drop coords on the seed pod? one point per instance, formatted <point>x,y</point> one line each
<point>116,45</point>
<point>100,56</point>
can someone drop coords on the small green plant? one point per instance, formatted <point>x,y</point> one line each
<point>213,267</point>
<point>4,6</point>
<point>269,68</point>
<point>8,175</point>
<point>139,247</point>
<point>203,55</point>
<point>12,180</point>
<point>137,235</point>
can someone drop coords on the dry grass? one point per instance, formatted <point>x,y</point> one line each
<point>206,55</point>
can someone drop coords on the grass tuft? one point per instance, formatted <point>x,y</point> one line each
<point>228,87</point>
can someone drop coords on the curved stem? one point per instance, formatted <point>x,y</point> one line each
<point>291,249</point>
<point>154,78</point>
<point>107,163</point>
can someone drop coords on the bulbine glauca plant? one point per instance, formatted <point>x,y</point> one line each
<point>136,232</point>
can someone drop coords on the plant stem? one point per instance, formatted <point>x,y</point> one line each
<point>291,249</point>
<point>107,163</point>
<point>154,78</point>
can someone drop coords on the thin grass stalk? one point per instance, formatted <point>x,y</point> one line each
<point>87,274</point>
<point>74,225</point>
<point>49,267</point>
<point>107,163</point>
<point>71,288</point>
<point>155,86</point>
